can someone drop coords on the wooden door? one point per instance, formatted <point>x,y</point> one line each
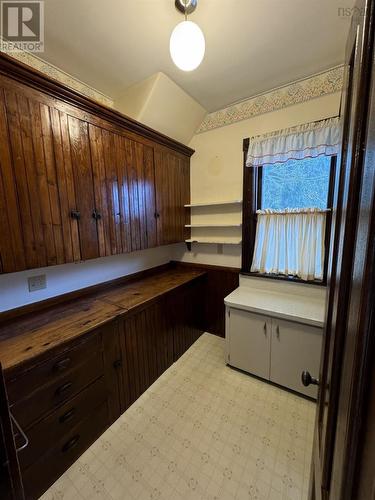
<point>348,277</point>
<point>77,142</point>
<point>36,186</point>
<point>249,342</point>
<point>185,309</point>
<point>145,349</point>
<point>10,477</point>
<point>172,181</point>
<point>139,162</point>
<point>294,348</point>
<point>124,191</point>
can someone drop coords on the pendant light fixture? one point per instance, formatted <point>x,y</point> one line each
<point>187,44</point>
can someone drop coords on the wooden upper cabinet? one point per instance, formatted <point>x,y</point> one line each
<point>79,181</point>
<point>124,190</point>
<point>172,181</point>
<point>37,185</point>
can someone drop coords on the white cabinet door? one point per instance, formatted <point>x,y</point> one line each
<point>249,342</point>
<point>295,348</point>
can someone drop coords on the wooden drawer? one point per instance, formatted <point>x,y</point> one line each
<point>60,423</point>
<point>47,398</point>
<point>53,369</point>
<point>42,474</point>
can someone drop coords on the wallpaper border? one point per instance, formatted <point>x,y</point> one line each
<point>60,75</point>
<point>325,83</point>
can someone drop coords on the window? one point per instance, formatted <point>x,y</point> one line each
<point>296,184</point>
<point>287,219</point>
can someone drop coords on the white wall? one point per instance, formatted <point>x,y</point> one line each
<point>68,277</point>
<point>217,167</point>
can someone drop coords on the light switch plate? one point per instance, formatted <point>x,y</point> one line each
<point>37,282</point>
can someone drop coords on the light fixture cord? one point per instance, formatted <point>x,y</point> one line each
<point>186,4</point>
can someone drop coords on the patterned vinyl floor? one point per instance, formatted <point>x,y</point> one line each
<point>201,431</point>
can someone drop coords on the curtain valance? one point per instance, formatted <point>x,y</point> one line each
<point>296,143</point>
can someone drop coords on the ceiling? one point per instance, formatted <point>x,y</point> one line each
<point>251,45</point>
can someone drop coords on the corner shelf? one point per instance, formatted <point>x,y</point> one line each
<point>212,203</point>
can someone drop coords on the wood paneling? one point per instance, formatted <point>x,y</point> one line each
<point>172,181</point>
<point>34,336</point>
<point>74,186</point>
<point>220,282</point>
<point>12,256</point>
<point>185,310</point>
<point>145,350</point>
<point>68,382</point>
<point>83,181</point>
<point>38,191</point>
<point>67,98</point>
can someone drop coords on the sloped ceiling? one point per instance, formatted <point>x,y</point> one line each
<point>252,45</point>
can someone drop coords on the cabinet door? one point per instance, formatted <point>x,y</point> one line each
<point>36,180</point>
<point>84,187</point>
<point>295,348</point>
<point>141,179</point>
<point>145,349</point>
<point>172,181</point>
<point>249,342</point>
<point>111,191</point>
<point>185,316</point>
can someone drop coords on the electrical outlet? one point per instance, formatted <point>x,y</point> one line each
<point>37,282</point>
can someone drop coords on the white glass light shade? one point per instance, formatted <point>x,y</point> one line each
<point>187,45</point>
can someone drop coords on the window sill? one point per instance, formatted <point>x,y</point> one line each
<point>279,277</point>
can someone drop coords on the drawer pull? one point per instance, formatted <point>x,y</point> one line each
<point>67,416</point>
<point>63,388</point>
<point>70,444</point>
<point>62,365</point>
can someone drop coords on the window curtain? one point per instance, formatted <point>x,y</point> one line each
<point>296,143</point>
<point>290,242</point>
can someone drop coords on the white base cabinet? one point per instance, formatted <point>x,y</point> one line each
<point>272,348</point>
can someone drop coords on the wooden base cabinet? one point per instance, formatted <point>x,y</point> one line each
<point>63,404</point>
<point>272,348</point>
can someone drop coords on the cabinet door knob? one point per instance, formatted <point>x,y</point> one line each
<point>75,214</point>
<point>307,379</point>
<point>278,332</point>
<point>117,363</point>
<point>96,215</point>
<point>265,328</point>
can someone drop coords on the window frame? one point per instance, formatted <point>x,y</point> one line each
<point>252,195</point>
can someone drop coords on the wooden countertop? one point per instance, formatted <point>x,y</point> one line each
<point>35,334</point>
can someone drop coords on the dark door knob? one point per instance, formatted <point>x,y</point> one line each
<point>96,215</point>
<point>75,214</point>
<point>307,379</point>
